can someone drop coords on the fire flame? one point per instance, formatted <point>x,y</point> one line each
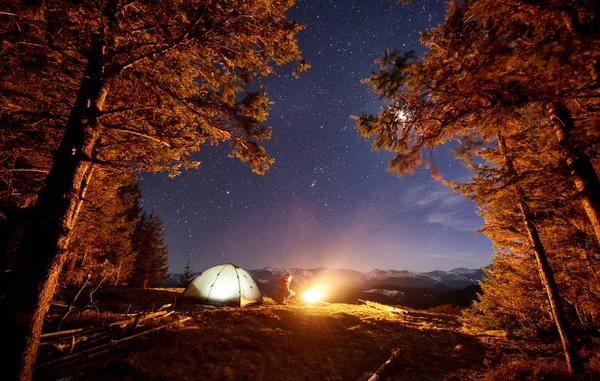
<point>311,295</point>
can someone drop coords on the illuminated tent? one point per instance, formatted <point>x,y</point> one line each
<point>225,284</point>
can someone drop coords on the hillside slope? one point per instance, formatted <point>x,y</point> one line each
<point>325,341</point>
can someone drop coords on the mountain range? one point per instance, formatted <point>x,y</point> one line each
<point>456,278</point>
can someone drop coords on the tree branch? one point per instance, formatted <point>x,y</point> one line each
<point>154,53</point>
<point>196,112</point>
<point>53,47</point>
<point>25,170</point>
<point>132,132</point>
<point>167,48</point>
<point>117,110</point>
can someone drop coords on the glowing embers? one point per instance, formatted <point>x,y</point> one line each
<point>312,295</point>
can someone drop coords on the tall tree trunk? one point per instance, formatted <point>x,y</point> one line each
<point>545,271</point>
<point>581,168</point>
<point>43,249</point>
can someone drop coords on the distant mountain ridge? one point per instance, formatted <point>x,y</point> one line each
<point>453,279</point>
<point>456,278</point>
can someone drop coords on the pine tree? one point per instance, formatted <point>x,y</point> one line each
<point>510,300</point>
<point>133,86</point>
<point>546,273</point>
<point>187,276</point>
<point>514,200</point>
<point>495,70</point>
<point>105,231</point>
<point>151,264</point>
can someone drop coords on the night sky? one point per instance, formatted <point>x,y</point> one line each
<point>328,199</point>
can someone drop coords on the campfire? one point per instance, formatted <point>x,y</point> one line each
<point>312,295</point>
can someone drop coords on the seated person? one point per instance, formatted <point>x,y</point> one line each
<point>283,292</point>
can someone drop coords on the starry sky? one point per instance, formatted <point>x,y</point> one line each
<point>328,200</point>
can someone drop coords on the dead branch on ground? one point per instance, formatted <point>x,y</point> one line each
<point>68,346</point>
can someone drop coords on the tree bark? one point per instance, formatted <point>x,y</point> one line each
<point>118,273</point>
<point>545,271</point>
<point>579,164</point>
<point>43,249</point>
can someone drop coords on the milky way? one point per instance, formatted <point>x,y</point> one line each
<point>328,199</point>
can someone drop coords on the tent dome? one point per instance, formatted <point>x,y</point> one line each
<point>225,284</point>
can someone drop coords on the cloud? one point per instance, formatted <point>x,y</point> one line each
<point>439,205</point>
<point>431,195</point>
<point>456,220</point>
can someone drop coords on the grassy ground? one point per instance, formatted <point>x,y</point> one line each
<point>297,341</point>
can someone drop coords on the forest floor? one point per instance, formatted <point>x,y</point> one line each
<point>301,341</point>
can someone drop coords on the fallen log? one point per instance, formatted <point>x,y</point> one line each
<point>63,342</point>
<point>71,331</point>
<point>127,315</point>
<point>71,356</point>
<point>92,352</point>
<point>153,315</point>
<point>123,323</point>
<point>387,368</point>
<point>127,338</point>
<point>88,330</point>
<point>94,341</point>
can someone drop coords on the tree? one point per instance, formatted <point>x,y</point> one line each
<point>493,70</point>
<point>152,255</point>
<point>511,300</point>
<point>104,232</point>
<point>131,86</point>
<point>187,276</point>
<point>546,273</point>
<point>499,186</point>
<point>24,162</point>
